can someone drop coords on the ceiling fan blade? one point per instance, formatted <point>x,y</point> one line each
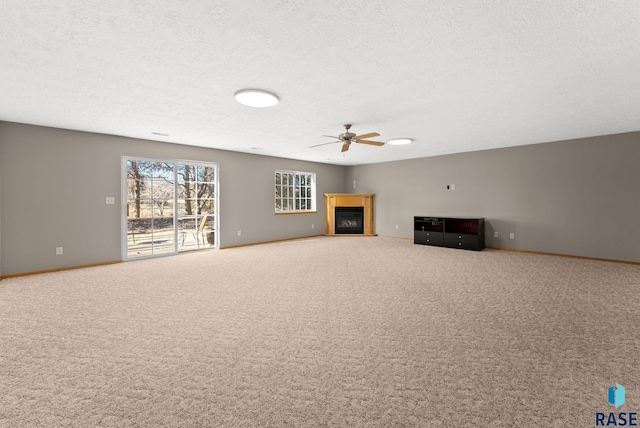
<point>330,136</point>
<point>324,144</point>
<point>372,134</point>
<point>373,143</point>
<point>345,147</point>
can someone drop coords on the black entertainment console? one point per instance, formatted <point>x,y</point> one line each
<point>466,233</point>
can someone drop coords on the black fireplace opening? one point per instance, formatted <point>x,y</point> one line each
<point>349,220</point>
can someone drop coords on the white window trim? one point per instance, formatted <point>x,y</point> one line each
<point>312,198</point>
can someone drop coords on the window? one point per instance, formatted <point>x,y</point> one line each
<point>295,191</point>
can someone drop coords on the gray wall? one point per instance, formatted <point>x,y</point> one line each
<point>579,197</point>
<point>53,185</point>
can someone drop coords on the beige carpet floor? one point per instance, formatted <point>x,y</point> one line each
<point>322,332</point>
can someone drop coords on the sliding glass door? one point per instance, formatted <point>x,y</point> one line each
<point>170,206</point>
<point>196,206</point>
<point>150,208</point>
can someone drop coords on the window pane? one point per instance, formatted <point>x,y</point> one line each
<point>186,173</point>
<point>205,190</point>
<point>199,173</point>
<point>162,228</point>
<point>210,222</point>
<point>139,225</point>
<point>162,208</point>
<point>155,169</point>
<point>182,193</point>
<point>162,191</point>
<point>142,208</point>
<point>187,189</point>
<point>139,169</point>
<point>181,208</point>
<point>206,206</point>
<point>137,189</point>
<point>190,206</point>
<point>186,223</point>
<point>206,174</point>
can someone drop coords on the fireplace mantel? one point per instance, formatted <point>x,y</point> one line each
<point>333,200</point>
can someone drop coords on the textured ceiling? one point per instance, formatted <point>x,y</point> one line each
<point>454,75</point>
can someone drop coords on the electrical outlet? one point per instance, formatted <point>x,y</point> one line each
<point>397,227</point>
<point>59,251</point>
<point>313,226</point>
<point>495,234</point>
<point>453,187</point>
<point>239,233</point>
<point>110,200</point>
<point>512,236</point>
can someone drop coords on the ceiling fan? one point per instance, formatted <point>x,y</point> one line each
<point>349,137</point>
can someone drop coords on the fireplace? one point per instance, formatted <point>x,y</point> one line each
<point>349,220</point>
<point>358,208</point>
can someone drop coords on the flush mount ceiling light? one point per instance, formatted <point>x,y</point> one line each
<point>256,98</point>
<point>400,141</point>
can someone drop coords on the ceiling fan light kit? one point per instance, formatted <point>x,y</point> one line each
<point>257,98</point>
<point>400,141</point>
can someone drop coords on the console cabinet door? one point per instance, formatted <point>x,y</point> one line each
<point>460,240</point>
<point>428,237</point>
<point>434,238</point>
